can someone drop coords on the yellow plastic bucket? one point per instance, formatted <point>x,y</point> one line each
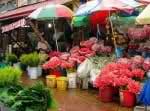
<point>51,81</point>
<point>62,83</point>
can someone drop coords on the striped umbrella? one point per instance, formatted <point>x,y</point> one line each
<point>50,12</point>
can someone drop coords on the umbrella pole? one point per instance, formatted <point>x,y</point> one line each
<point>111,26</point>
<point>54,34</point>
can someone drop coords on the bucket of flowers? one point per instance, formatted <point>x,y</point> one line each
<point>120,75</point>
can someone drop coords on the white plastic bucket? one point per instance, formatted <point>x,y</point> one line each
<point>33,72</point>
<point>72,81</point>
<point>39,71</point>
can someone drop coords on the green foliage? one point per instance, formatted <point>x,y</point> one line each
<point>23,59</point>
<point>43,58</point>
<point>34,98</point>
<point>11,58</point>
<point>9,75</point>
<point>32,59</point>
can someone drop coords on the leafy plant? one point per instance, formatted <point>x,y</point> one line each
<point>11,58</point>
<point>43,58</point>
<point>32,59</point>
<point>23,59</point>
<point>35,98</point>
<point>9,75</point>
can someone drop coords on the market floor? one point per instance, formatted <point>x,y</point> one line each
<point>79,100</point>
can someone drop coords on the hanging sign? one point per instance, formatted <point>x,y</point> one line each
<point>17,24</point>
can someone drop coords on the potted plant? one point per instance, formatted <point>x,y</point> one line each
<point>32,60</point>
<point>9,76</point>
<point>11,59</point>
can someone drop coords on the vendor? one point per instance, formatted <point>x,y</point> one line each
<point>43,46</point>
<point>121,45</point>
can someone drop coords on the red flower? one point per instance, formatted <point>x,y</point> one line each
<point>84,51</point>
<point>53,63</point>
<point>121,81</point>
<point>134,86</point>
<point>138,73</point>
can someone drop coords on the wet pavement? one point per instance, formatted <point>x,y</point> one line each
<point>79,100</point>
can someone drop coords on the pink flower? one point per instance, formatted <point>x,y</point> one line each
<point>66,65</point>
<point>87,44</point>
<point>54,54</point>
<point>96,47</point>
<point>93,39</point>
<point>64,56</point>
<point>124,61</point>
<point>75,49</point>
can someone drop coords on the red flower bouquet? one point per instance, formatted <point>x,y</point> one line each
<point>84,51</point>
<point>134,86</point>
<point>119,75</point>
<point>53,63</point>
<point>138,73</point>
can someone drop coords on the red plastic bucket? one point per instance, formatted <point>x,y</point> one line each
<point>127,99</point>
<point>106,94</point>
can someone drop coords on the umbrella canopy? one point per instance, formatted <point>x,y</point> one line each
<point>87,7</point>
<point>112,5</point>
<point>144,1</point>
<point>79,21</point>
<point>144,17</point>
<point>50,12</point>
<point>132,3</point>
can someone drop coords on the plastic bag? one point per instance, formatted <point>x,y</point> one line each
<point>84,68</point>
<point>93,74</point>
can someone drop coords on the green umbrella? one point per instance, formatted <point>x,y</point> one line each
<point>79,21</point>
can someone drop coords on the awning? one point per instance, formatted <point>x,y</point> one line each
<point>26,10</point>
<point>12,26</point>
